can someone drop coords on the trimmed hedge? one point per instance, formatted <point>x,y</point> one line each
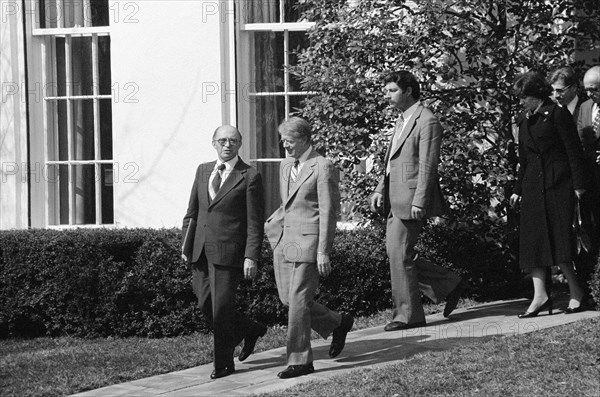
<point>132,282</point>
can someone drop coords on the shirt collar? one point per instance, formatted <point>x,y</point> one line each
<point>229,165</point>
<point>304,156</point>
<point>410,111</point>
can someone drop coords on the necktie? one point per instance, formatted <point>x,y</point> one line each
<point>395,140</point>
<point>216,182</point>
<point>596,122</point>
<point>294,171</point>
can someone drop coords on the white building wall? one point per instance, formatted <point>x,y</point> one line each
<point>167,72</point>
<point>13,119</point>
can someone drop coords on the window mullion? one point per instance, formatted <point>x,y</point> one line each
<point>97,149</point>
<point>286,74</point>
<point>70,143</point>
<point>60,19</point>
<point>87,14</point>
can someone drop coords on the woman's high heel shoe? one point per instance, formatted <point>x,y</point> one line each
<point>547,305</point>
<point>578,309</point>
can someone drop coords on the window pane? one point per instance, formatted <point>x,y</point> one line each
<point>104,75</point>
<point>83,129</point>
<point>296,104</point>
<point>270,112</point>
<point>106,129</point>
<point>85,194</point>
<point>63,193</point>
<point>298,42</point>
<point>63,141</point>
<point>107,193</point>
<point>61,79</point>
<point>260,11</point>
<point>99,12</point>
<point>81,67</point>
<point>268,66</point>
<point>269,172</point>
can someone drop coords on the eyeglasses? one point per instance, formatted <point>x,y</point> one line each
<point>561,91</point>
<point>594,90</point>
<point>232,141</point>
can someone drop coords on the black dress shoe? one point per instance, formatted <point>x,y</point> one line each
<point>250,342</point>
<point>399,325</point>
<point>293,371</point>
<point>221,372</point>
<point>339,336</point>
<point>453,298</point>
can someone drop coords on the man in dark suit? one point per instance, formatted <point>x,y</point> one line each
<point>565,86</point>
<point>588,128</point>
<point>301,234</point>
<point>223,232</point>
<point>409,192</point>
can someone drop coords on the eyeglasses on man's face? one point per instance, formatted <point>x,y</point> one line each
<point>561,91</point>
<point>224,141</point>
<point>593,90</point>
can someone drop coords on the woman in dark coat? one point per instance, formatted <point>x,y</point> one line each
<point>550,177</point>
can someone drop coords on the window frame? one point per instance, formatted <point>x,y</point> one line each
<point>43,118</point>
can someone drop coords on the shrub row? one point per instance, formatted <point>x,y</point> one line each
<point>126,282</point>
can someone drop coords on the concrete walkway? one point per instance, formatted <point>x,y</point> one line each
<point>365,348</point>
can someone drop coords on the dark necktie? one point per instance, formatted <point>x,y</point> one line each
<point>216,183</point>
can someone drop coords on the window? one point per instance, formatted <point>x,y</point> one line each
<point>72,42</point>
<point>271,33</point>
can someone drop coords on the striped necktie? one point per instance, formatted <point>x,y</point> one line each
<point>294,171</point>
<point>596,122</point>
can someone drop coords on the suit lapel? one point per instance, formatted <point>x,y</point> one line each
<point>203,182</point>
<point>307,170</point>
<point>408,128</point>
<point>234,178</point>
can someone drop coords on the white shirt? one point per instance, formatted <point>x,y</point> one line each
<point>302,159</point>
<point>406,115</point>
<point>229,165</point>
<point>573,104</point>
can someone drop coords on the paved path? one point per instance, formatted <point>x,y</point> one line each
<point>364,348</point>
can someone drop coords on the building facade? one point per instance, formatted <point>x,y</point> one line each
<point>108,106</point>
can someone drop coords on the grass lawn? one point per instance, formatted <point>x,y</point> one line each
<point>561,361</point>
<point>565,359</point>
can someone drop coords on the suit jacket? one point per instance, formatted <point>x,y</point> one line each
<point>305,222</point>
<point>230,227</point>
<point>413,179</point>
<point>587,135</point>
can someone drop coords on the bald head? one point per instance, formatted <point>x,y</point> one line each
<point>227,129</point>
<point>591,83</point>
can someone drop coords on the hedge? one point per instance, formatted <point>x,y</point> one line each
<point>132,282</point>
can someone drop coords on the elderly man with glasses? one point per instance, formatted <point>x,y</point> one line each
<point>222,239</point>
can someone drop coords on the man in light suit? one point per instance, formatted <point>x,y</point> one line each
<point>588,128</point>
<point>301,234</point>
<point>409,192</point>
<point>223,232</point>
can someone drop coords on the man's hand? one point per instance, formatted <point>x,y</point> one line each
<point>417,213</point>
<point>376,201</point>
<point>323,264</point>
<point>514,199</point>
<point>184,257</point>
<point>249,268</point>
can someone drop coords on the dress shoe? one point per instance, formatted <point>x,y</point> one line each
<point>339,336</point>
<point>221,372</point>
<point>293,371</point>
<point>250,342</point>
<point>547,305</point>
<point>399,325</point>
<point>578,309</point>
<point>453,297</point>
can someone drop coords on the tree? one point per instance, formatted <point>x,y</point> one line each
<point>466,53</point>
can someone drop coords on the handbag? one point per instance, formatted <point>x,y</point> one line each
<point>582,238</point>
